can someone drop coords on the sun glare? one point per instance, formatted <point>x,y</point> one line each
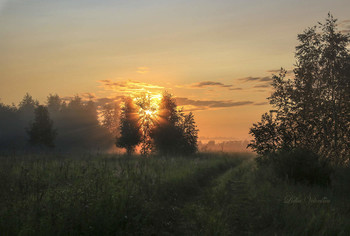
<point>148,104</point>
<point>149,112</point>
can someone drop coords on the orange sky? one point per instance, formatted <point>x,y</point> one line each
<point>217,57</point>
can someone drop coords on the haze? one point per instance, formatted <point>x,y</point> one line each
<point>216,57</point>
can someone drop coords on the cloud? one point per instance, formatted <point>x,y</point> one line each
<point>260,103</point>
<point>129,86</point>
<point>235,89</point>
<point>210,84</point>
<point>256,79</point>
<point>142,70</point>
<point>191,104</point>
<point>262,86</point>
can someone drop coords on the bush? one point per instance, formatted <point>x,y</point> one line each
<point>298,165</point>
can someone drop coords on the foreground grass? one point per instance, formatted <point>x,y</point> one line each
<point>205,194</point>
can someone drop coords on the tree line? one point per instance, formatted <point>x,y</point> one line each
<point>311,106</point>
<point>66,125</point>
<point>77,125</point>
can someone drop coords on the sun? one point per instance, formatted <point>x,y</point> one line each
<point>148,104</point>
<point>149,112</point>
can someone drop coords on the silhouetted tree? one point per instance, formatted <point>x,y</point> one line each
<point>312,109</point>
<point>9,126</point>
<point>41,132</point>
<point>26,109</point>
<point>175,133</point>
<point>25,117</point>
<point>27,103</point>
<point>130,133</point>
<point>266,137</point>
<point>54,103</point>
<point>167,134</point>
<point>189,133</point>
<point>76,121</point>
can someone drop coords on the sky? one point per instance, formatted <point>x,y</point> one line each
<point>216,57</point>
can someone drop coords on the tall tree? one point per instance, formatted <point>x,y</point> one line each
<point>189,133</point>
<point>166,134</point>
<point>41,132</point>
<point>54,103</point>
<point>130,133</point>
<point>26,109</point>
<point>312,109</point>
<point>147,119</point>
<point>175,133</point>
<point>110,114</point>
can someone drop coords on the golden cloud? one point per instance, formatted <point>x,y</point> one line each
<point>142,70</point>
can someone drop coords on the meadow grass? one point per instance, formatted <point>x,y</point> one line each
<point>204,194</point>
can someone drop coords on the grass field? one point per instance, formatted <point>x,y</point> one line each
<point>206,194</point>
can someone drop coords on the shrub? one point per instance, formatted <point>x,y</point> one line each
<point>298,165</point>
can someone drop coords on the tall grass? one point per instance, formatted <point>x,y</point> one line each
<point>206,194</point>
<point>96,194</point>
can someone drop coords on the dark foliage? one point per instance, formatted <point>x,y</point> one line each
<point>13,123</point>
<point>41,132</point>
<point>299,165</point>
<point>311,110</point>
<point>130,133</point>
<point>175,133</point>
<point>76,123</point>
<point>9,131</point>
<point>189,133</point>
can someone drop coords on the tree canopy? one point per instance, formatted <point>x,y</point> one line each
<point>312,106</point>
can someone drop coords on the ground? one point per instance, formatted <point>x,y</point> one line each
<point>204,194</point>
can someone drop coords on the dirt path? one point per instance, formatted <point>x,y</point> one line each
<point>219,206</point>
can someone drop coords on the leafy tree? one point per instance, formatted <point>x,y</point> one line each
<point>147,120</point>
<point>130,133</point>
<point>110,114</point>
<point>312,109</point>
<point>54,103</point>
<point>41,132</point>
<point>190,133</point>
<point>175,133</point>
<point>166,134</point>
<point>76,122</point>
<point>26,109</point>
<point>266,137</point>
<point>27,103</point>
